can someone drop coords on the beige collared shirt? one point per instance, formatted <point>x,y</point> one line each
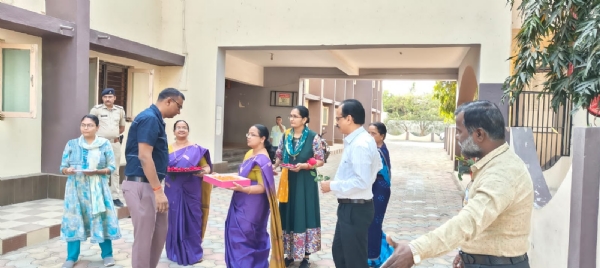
<point>110,120</point>
<point>497,218</point>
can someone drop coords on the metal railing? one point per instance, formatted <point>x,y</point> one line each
<point>551,130</point>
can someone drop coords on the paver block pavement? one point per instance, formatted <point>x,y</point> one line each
<point>423,197</point>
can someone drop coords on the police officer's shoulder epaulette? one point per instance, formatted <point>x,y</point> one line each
<point>119,107</point>
<point>98,106</point>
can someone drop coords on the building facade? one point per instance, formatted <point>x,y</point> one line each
<point>59,54</point>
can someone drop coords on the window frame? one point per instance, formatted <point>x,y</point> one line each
<point>130,90</point>
<point>33,50</point>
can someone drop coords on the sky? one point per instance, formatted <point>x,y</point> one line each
<point>401,87</point>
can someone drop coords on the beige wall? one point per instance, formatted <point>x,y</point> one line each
<point>137,20</point>
<point>21,138</point>
<point>37,6</point>
<point>550,229</point>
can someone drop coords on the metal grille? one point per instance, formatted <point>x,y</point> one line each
<point>551,130</point>
<point>114,76</point>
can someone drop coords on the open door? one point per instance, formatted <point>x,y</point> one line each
<point>141,83</point>
<point>93,86</point>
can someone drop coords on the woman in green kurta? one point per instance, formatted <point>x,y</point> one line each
<point>300,215</point>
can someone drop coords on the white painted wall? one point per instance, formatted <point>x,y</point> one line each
<point>21,138</point>
<point>37,6</point>
<point>244,72</point>
<point>549,236</point>
<point>137,20</point>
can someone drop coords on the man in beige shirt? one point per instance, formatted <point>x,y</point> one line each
<point>493,227</point>
<point>112,125</point>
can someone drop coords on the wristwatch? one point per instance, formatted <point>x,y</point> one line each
<point>416,256</point>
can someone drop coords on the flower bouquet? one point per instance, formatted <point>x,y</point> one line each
<point>173,171</point>
<point>184,170</point>
<point>315,172</point>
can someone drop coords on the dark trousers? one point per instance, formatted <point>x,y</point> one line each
<point>349,247</point>
<point>381,197</point>
<point>524,264</point>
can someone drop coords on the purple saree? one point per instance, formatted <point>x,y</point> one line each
<point>184,192</point>
<point>247,242</point>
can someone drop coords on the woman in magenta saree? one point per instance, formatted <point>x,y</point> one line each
<point>185,195</point>
<point>247,242</point>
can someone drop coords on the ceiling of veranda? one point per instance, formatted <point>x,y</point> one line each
<point>355,59</point>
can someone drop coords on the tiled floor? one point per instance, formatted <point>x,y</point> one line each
<point>29,216</point>
<point>423,197</point>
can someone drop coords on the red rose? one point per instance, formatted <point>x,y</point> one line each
<point>312,161</point>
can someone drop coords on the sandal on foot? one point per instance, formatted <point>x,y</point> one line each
<point>68,264</point>
<point>109,261</point>
<point>304,263</point>
<point>288,262</point>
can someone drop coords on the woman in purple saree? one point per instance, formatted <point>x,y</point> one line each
<point>187,197</point>
<point>247,242</point>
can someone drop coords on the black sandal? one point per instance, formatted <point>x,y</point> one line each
<point>288,262</point>
<point>304,263</point>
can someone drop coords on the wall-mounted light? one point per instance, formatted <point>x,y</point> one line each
<point>65,27</point>
<point>103,37</point>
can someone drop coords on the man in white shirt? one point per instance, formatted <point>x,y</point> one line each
<point>277,131</point>
<point>352,185</point>
<point>276,136</point>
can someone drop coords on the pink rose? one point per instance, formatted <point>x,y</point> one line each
<point>312,161</point>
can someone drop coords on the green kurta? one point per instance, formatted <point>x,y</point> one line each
<point>300,217</point>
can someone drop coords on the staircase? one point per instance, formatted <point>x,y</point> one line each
<point>234,157</point>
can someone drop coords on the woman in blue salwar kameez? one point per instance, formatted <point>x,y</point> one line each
<point>88,207</point>
<point>379,249</point>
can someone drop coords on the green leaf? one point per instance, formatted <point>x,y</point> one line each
<point>554,34</point>
<point>312,173</point>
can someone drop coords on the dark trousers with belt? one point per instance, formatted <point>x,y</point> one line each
<point>486,261</point>
<point>349,247</point>
<point>524,264</point>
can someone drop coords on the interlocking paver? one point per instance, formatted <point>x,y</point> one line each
<point>423,197</point>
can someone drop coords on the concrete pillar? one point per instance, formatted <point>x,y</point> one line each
<point>363,92</point>
<point>493,93</point>
<point>583,235</point>
<point>65,81</point>
<point>340,93</point>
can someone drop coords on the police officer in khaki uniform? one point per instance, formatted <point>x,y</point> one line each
<point>112,125</point>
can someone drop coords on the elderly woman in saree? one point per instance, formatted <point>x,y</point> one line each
<point>188,197</point>
<point>379,249</point>
<point>88,207</point>
<point>247,242</point>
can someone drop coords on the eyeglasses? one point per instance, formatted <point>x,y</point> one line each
<point>248,135</point>
<point>88,126</point>
<point>178,104</point>
<point>337,118</point>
